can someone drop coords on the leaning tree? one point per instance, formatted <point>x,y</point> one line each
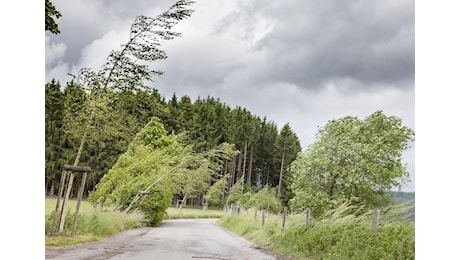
<point>352,161</point>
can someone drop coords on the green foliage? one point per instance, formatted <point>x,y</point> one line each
<point>245,199</point>
<point>236,192</point>
<point>287,147</point>
<point>352,161</point>
<point>50,14</point>
<point>149,159</point>
<point>339,234</point>
<point>157,163</point>
<point>216,192</point>
<point>266,199</point>
<point>125,69</point>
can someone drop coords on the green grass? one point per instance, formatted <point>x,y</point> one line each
<point>340,235</point>
<point>175,213</point>
<point>85,206</point>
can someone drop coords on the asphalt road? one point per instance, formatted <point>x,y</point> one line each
<point>174,239</point>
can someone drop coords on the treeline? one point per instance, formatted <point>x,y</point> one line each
<point>265,152</point>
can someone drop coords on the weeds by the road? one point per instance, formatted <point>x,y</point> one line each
<point>337,236</point>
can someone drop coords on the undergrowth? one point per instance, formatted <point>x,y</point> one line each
<point>339,234</point>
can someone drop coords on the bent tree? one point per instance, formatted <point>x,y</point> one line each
<point>352,161</point>
<point>127,68</point>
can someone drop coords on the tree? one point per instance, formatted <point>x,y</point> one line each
<point>126,69</point>
<point>287,147</point>
<point>266,199</point>
<point>352,161</point>
<point>265,147</point>
<point>151,158</point>
<point>54,116</point>
<point>50,14</point>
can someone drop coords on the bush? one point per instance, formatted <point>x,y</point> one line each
<point>266,199</point>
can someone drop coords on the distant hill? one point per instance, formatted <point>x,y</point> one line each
<point>407,198</point>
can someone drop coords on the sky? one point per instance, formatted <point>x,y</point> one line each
<point>296,61</point>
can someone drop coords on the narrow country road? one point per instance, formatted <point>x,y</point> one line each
<point>173,239</point>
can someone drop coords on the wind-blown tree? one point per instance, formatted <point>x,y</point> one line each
<point>200,169</point>
<point>215,196</point>
<point>352,161</point>
<point>150,159</point>
<point>157,163</point>
<point>127,68</point>
<point>266,199</point>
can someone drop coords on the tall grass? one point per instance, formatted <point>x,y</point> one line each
<point>91,225</point>
<point>339,234</point>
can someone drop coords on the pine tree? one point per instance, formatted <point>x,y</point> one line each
<point>54,107</point>
<point>287,147</point>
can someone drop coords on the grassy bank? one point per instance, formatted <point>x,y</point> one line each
<point>339,235</point>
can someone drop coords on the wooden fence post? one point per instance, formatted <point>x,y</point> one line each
<point>255,214</point>
<point>80,196</point>
<point>308,218</point>
<point>56,217</point>
<point>375,220</point>
<point>263,217</point>
<point>284,218</point>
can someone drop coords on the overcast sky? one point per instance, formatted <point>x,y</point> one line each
<point>301,62</point>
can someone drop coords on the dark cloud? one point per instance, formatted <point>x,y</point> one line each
<point>313,42</point>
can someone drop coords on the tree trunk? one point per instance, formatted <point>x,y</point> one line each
<point>52,189</point>
<point>268,175</point>
<point>238,168</point>
<point>233,172</point>
<point>281,176</point>
<point>250,165</point>
<point>244,160</point>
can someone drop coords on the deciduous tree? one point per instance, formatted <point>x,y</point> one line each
<point>353,161</point>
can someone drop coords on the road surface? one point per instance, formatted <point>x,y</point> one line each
<point>174,239</point>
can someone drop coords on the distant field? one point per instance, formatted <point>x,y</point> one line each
<point>193,213</point>
<point>86,207</point>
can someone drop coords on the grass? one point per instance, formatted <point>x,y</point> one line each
<point>85,206</point>
<point>174,213</point>
<point>339,235</point>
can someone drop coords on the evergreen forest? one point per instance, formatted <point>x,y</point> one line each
<point>263,150</point>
